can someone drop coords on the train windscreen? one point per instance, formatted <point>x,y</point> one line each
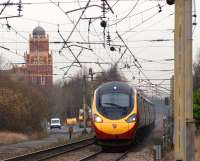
<point>118,100</point>
<point>115,105</point>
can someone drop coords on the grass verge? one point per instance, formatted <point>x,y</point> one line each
<point>11,138</point>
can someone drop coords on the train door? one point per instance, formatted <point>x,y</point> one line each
<point>149,108</point>
<point>141,113</point>
<point>145,111</point>
<point>151,113</point>
<point>148,113</point>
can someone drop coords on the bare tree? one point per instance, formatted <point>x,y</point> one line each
<point>1,63</point>
<point>22,108</point>
<point>111,74</point>
<point>65,100</point>
<point>196,75</point>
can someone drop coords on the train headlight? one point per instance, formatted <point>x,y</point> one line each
<point>98,119</point>
<point>132,118</point>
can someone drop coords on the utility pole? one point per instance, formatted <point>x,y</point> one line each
<point>172,97</point>
<point>171,118</point>
<point>91,73</point>
<point>84,105</point>
<point>139,81</point>
<point>184,123</point>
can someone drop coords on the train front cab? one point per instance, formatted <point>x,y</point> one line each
<point>115,132</point>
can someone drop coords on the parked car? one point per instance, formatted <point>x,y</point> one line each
<point>55,123</point>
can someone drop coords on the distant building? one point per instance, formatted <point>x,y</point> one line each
<point>38,68</point>
<point>38,61</point>
<point>16,72</point>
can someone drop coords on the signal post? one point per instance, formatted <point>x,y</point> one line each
<point>84,105</point>
<point>183,114</point>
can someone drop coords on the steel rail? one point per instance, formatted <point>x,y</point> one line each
<point>90,156</point>
<point>53,152</point>
<point>122,156</point>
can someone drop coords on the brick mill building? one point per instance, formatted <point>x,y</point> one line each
<point>39,60</point>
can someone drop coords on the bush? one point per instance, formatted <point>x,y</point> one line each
<point>196,107</point>
<point>22,108</point>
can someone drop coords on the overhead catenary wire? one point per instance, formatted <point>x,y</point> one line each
<point>10,51</point>
<point>66,40</point>
<point>100,39</point>
<point>75,28</point>
<point>94,54</point>
<point>135,61</point>
<point>96,34</point>
<point>141,23</point>
<point>127,14</point>
<point>96,50</point>
<point>4,7</point>
<point>75,25</point>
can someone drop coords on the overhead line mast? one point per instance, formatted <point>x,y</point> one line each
<point>184,123</point>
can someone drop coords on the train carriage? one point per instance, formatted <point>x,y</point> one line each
<point>119,111</point>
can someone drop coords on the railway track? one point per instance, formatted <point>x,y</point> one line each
<point>53,152</point>
<point>99,153</point>
<point>91,156</point>
<point>122,156</point>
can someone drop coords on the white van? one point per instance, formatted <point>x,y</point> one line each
<point>55,123</point>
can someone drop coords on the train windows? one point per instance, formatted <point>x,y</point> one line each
<point>146,112</point>
<point>167,101</point>
<point>115,100</point>
<point>115,105</point>
<point>144,109</point>
<point>150,112</point>
<point>141,110</point>
<point>140,103</point>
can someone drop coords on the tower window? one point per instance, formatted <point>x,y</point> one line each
<point>42,80</point>
<point>34,80</point>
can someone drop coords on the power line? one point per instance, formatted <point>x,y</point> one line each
<point>57,5</point>
<point>10,51</point>
<point>90,43</point>
<point>5,5</point>
<point>127,14</point>
<point>147,19</point>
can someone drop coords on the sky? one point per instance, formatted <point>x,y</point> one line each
<point>140,25</point>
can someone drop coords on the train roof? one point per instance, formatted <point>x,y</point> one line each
<point>121,86</point>
<point>141,93</point>
<point>115,86</point>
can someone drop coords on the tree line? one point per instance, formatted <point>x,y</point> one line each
<point>196,89</point>
<point>67,98</point>
<point>23,107</point>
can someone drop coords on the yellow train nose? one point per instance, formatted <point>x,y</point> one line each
<point>114,128</point>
